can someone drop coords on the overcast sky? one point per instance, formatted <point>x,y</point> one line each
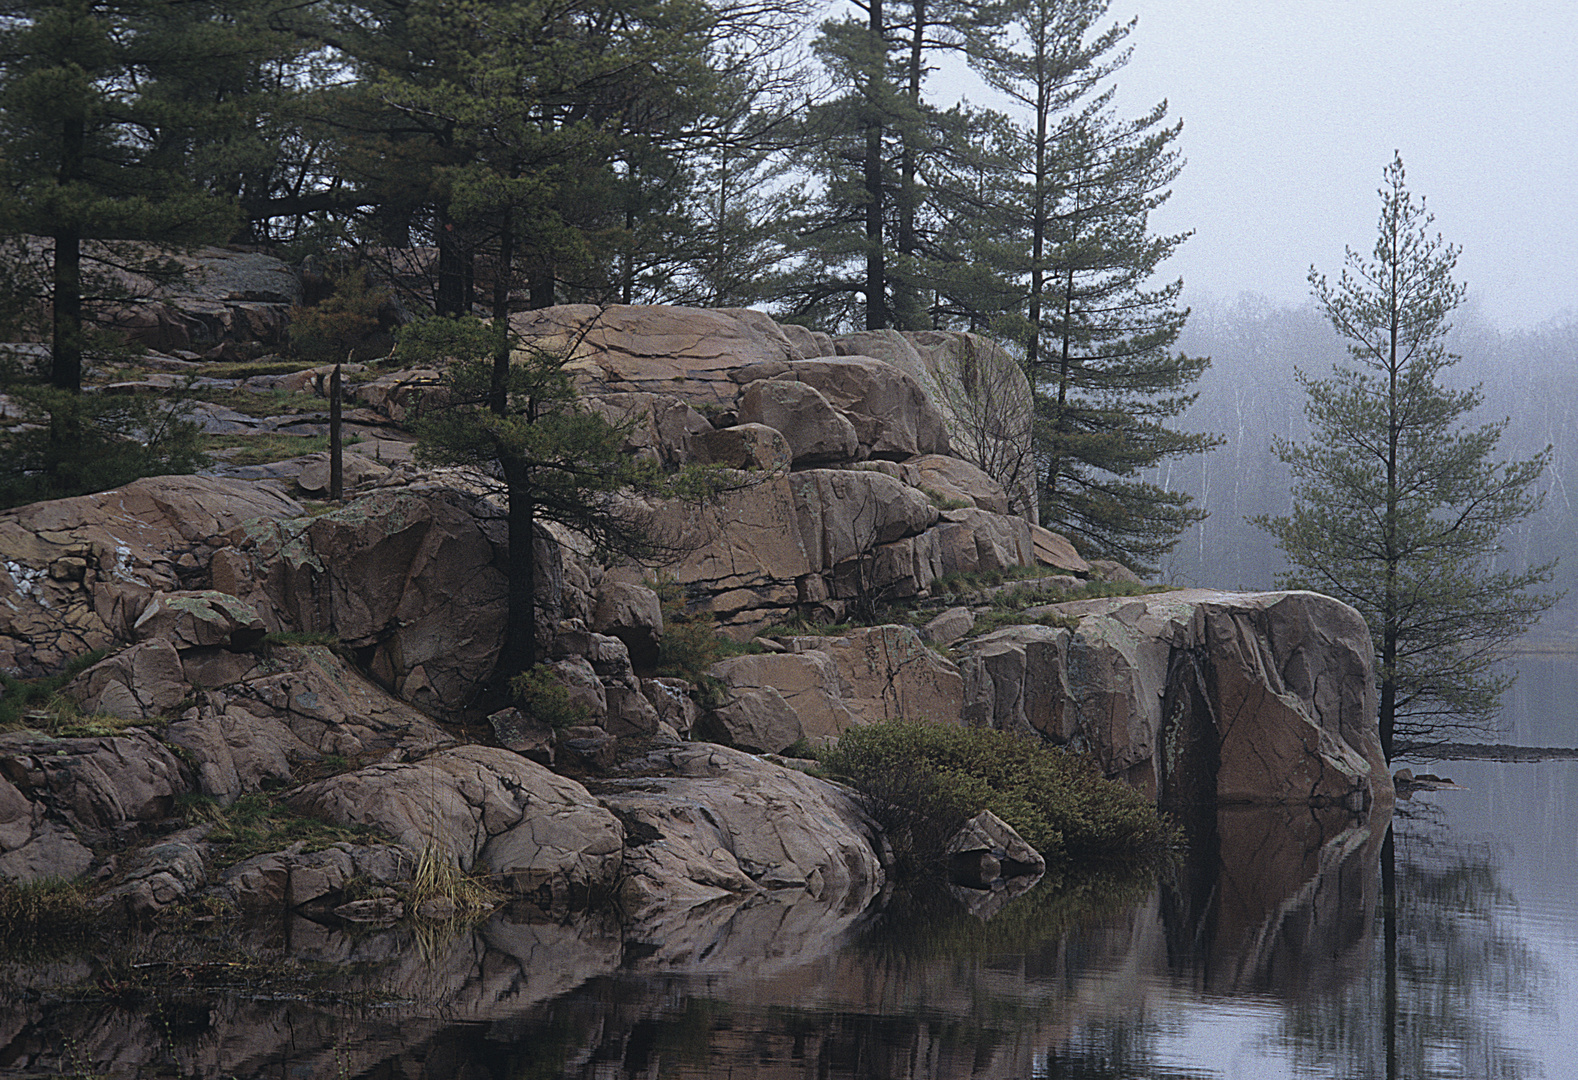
<point>1291,112</point>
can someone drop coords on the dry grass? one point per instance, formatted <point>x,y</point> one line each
<point>470,897</point>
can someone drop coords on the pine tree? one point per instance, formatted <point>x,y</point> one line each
<point>531,137</point>
<point>1399,505</point>
<point>92,148</point>
<point>1098,337</point>
<point>513,414</point>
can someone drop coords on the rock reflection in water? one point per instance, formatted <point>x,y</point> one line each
<point>1070,975</point>
<point>1277,899</point>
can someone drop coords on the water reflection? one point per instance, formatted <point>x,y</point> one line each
<point>1295,943</point>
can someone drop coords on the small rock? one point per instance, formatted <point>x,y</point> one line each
<point>436,909</point>
<point>526,735</point>
<point>378,909</point>
<point>948,627</point>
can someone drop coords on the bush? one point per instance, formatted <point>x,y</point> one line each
<point>540,694</point>
<point>923,780</point>
<point>343,323</point>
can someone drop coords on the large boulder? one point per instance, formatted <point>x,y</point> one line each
<point>816,432</point>
<point>1196,696</point>
<point>776,700</point>
<point>888,672</point>
<point>93,785</point>
<point>711,821</point>
<point>303,705</point>
<point>484,810</point>
<point>656,425</point>
<point>222,297</point>
<point>144,682</point>
<point>891,413</point>
<point>78,572</point>
<point>411,580</point>
<point>684,352</point>
<point>198,619</point>
<point>957,480</point>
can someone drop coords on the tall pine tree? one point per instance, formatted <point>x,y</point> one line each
<point>97,140</point>
<point>1398,505</point>
<point>1098,336</point>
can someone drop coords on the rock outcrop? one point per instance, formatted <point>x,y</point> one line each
<point>709,822</point>
<point>1196,696</point>
<point>75,574</point>
<point>484,810</point>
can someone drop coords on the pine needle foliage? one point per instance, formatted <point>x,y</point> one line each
<point>1399,503</point>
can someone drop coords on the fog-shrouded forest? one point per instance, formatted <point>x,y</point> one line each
<point>1249,394</point>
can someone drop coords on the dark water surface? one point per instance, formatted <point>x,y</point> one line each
<point>1271,954</point>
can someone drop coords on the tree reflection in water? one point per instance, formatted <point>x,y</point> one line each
<point>1277,934</point>
<point>1450,969</point>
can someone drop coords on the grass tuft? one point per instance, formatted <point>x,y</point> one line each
<point>21,699</point>
<point>45,910</point>
<point>257,822</point>
<point>469,897</point>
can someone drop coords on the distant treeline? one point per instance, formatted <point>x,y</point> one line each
<point>1528,376</point>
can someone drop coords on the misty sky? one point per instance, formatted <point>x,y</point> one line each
<point>1291,112</point>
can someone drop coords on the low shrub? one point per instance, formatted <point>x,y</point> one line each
<point>540,694</point>
<point>691,642</point>
<point>922,780</point>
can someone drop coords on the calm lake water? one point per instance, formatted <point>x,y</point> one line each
<point>1270,955</point>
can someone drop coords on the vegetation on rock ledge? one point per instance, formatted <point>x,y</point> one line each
<point>923,780</point>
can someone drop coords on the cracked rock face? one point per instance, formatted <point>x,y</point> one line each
<point>484,810</point>
<point>413,581</point>
<point>1196,696</point>
<point>76,574</point>
<point>720,822</point>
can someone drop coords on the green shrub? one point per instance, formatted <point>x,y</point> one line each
<point>539,693</point>
<point>691,643</point>
<point>923,780</point>
<point>335,328</point>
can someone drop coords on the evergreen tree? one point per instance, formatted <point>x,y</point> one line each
<point>1098,337</point>
<point>93,148</point>
<point>542,138</point>
<point>513,414</point>
<point>1398,505</point>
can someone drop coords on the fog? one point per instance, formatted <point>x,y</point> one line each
<point>1291,112</point>
<point>1529,377</point>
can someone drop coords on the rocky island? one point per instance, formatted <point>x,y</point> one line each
<point>260,644</point>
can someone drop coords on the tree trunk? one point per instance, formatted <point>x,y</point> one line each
<point>498,391</point>
<point>65,368</point>
<point>336,454</point>
<point>541,285</point>
<point>909,312</point>
<point>876,257</point>
<point>451,297</point>
<point>520,635</point>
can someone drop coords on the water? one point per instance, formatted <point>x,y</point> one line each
<point>1269,957</point>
